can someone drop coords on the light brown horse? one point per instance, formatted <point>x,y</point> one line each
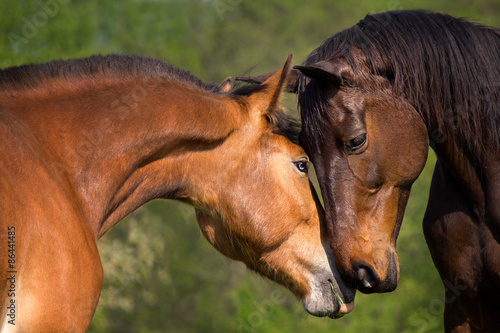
<point>85,142</point>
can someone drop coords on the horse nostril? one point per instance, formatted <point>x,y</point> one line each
<point>366,276</point>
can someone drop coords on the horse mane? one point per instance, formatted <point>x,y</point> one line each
<point>285,125</point>
<point>447,68</point>
<point>33,75</point>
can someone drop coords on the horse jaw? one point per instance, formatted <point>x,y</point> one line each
<point>323,300</point>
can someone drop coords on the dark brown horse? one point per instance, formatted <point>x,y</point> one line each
<point>372,98</point>
<point>85,142</point>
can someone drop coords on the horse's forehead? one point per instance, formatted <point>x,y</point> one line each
<point>344,111</point>
<point>275,143</point>
<point>353,100</point>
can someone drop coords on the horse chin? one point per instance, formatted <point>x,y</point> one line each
<point>329,296</point>
<point>323,301</point>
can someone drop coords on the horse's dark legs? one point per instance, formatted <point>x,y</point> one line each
<point>454,238</point>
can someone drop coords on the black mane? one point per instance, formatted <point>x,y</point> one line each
<point>32,75</point>
<point>447,68</point>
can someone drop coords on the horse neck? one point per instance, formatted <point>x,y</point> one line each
<point>461,164</point>
<point>125,144</point>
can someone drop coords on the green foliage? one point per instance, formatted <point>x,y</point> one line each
<point>160,274</point>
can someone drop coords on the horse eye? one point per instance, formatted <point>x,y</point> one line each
<point>302,166</point>
<point>356,143</point>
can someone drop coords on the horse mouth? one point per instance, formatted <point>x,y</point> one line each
<point>343,308</point>
<point>330,301</point>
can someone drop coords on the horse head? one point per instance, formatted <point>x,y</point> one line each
<point>266,214</point>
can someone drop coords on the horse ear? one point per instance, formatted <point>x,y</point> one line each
<point>226,85</point>
<point>267,99</point>
<point>291,82</point>
<point>337,71</point>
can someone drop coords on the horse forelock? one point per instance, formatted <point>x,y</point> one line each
<point>447,68</point>
<point>285,125</point>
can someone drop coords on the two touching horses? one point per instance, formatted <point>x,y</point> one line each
<point>85,142</point>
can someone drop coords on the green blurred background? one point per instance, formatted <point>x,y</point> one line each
<point>160,274</point>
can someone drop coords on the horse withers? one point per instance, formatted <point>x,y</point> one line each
<point>87,141</point>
